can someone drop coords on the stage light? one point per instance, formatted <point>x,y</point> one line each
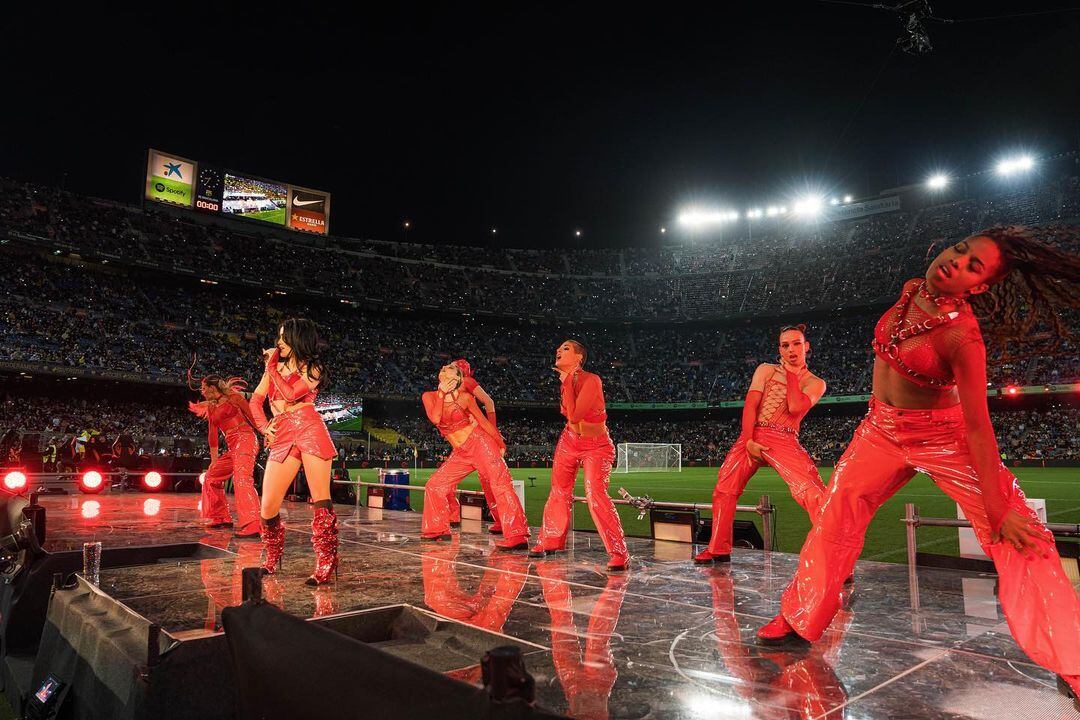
<point>938,181</point>
<point>15,481</point>
<point>90,509</point>
<point>91,482</point>
<point>1012,390</point>
<point>1011,166</point>
<point>153,481</point>
<point>202,478</point>
<point>151,507</point>
<point>847,198</point>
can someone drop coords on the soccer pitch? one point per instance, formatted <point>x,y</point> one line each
<point>276,216</point>
<point>885,541</point>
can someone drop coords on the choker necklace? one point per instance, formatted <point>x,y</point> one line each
<point>940,300</point>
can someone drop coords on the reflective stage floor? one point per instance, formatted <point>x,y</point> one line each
<point>665,640</point>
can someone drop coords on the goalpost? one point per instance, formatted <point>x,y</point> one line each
<point>648,457</point>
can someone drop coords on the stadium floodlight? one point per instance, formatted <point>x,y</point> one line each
<point>754,214</point>
<point>848,198</point>
<point>1013,165</point>
<point>577,233</point>
<point>772,211</point>
<point>938,181</point>
<point>834,201</point>
<point>494,231</point>
<point>663,231</point>
<point>695,217</point>
<point>809,205</point>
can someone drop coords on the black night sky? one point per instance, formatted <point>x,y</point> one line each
<point>535,118</point>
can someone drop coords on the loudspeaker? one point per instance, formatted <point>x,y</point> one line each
<point>745,534</point>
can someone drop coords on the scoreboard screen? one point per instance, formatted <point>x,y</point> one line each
<point>207,188</point>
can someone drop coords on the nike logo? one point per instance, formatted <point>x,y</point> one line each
<point>302,203</point>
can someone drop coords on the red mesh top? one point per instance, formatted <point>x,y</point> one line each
<point>774,410</point>
<point>583,398</point>
<point>454,418</point>
<point>292,379</point>
<point>469,384</point>
<point>923,358</point>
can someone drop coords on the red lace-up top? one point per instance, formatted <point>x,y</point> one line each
<point>918,345</point>
<point>292,384</point>
<point>454,418</point>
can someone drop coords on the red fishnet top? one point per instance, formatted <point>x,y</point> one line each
<point>773,411</point>
<point>923,356</point>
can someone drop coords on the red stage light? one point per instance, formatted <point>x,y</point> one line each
<point>151,507</point>
<point>91,509</point>
<point>153,480</point>
<point>15,481</point>
<point>91,482</point>
<point>1012,390</point>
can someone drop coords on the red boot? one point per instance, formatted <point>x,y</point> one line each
<point>273,539</point>
<point>778,632</point>
<point>324,539</point>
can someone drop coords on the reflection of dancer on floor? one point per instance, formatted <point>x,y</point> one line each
<point>778,399</point>
<point>586,677</point>
<point>929,412</point>
<point>490,605</point>
<point>296,435</point>
<point>478,446</point>
<point>471,386</point>
<point>584,443</point>
<point>226,410</point>
<point>785,685</point>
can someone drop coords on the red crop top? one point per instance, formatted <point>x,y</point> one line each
<point>773,411</point>
<point>454,418</point>
<point>583,398</point>
<point>919,345</point>
<point>288,388</point>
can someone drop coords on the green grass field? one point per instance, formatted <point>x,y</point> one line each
<point>276,216</point>
<point>1060,487</point>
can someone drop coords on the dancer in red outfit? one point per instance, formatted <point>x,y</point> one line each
<point>778,399</point>
<point>929,412</point>
<point>586,677</point>
<point>226,410</point>
<point>584,443</point>
<point>296,435</point>
<point>471,386</point>
<point>490,605</point>
<point>477,446</point>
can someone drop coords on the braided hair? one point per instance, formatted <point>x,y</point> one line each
<point>1039,278</point>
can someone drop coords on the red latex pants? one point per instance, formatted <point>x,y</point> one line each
<point>489,497</point>
<point>238,463</point>
<point>1039,603</point>
<point>595,456</point>
<point>480,453</point>
<point>787,457</point>
<point>490,605</point>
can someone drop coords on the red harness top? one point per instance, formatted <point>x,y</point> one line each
<point>918,345</point>
<point>227,417</point>
<point>774,409</point>
<point>454,418</point>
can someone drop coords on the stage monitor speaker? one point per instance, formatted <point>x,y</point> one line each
<point>473,507</point>
<point>674,525</point>
<point>745,535</point>
<point>375,496</point>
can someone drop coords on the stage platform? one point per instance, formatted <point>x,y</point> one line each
<point>665,640</point>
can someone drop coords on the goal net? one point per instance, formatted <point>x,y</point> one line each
<point>648,457</point>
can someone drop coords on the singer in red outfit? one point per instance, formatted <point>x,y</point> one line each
<point>584,443</point>
<point>929,412</point>
<point>226,410</point>
<point>472,387</point>
<point>296,436</point>
<point>478,446</point>
<point>778,399</point>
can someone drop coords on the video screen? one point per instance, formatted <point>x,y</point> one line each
<point>255,199</point>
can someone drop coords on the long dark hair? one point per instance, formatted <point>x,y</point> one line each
<point>1039,278</point>
<point>308,348</point>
